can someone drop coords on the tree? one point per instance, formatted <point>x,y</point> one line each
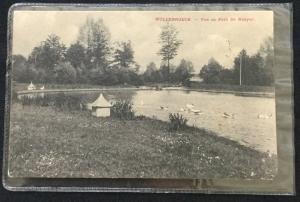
<point>19,68</point>
<point>76,54</point>
<point>254,73</point>
<point>82,73</point>
<point>45,56</point>
<point>94,36</point>
<point>64,73</point>
<point>150,69</point>
<point>210,73</point>
<point>164,73</point>
<point>123,55</point>
<point>136,68</point>
<point>267,47</point>
<point>227,76</point>
<point>169,43</point>
<point>22,71</point>
<point>124,65</point>
<point>184,70</point>
<point>244,58</point>
<point>253,70</point>
<point>150,73</point>
<point>267,52</point>
<point>31,74</point>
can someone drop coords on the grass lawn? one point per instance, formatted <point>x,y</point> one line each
<point>45,142</point>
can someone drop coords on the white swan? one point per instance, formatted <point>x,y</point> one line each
<point>264,116</point>
<point>162,107</point>
<point>190,106</point>
<point>226,115</point>
<point>196,111</point>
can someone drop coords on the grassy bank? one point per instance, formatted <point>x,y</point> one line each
<point>23,86</point>
<point>52,143</point>
<point>193,86</point>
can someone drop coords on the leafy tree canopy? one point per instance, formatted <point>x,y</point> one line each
<point>94,36</point>
<point>169,43</point>
<point>124,55</point>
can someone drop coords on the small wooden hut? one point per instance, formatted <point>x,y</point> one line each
<point>101,107</point>
<point>31,86</point>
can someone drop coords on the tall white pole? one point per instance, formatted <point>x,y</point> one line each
<point>240,69</point>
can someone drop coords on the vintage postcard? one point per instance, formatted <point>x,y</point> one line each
<point>142,93</point>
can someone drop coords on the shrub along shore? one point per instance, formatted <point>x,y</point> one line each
<point>46,141</point>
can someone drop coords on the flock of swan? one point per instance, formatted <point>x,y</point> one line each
<point>190,108</point>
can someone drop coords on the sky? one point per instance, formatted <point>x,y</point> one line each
<point>205,34</point>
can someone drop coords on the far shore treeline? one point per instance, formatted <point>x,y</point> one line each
<point>95,59</point>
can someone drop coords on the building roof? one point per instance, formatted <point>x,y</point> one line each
<point>101,102</point>
<point>196,78</point>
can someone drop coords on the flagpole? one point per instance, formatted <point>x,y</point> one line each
<point>240,69</point>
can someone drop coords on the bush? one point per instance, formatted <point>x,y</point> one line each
<point>210,73</point>
<point>60,101</point>
<point>123,110</point>
<point>177,122</point>
<point>37,99</point>
<point>67,102</point>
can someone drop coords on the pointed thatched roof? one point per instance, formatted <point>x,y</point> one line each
<point>31,86</point>
<point>101,102</point>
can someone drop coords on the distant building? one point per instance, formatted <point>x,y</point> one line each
<point>101,107</point>
<point>196,78</point>
<point>31,86</point>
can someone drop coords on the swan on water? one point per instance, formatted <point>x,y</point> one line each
<point>162,107</point>
<point>264,116</point>
<point>226,115</point>
<point>190,106</point>
<point>196,111</point>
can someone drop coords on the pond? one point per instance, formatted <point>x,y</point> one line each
<point>251,121</point>
<point>248,120</point>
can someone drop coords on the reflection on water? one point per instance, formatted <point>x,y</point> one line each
<point>248,120</point>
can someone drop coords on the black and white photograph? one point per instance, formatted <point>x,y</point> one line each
<point>142,94</point>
